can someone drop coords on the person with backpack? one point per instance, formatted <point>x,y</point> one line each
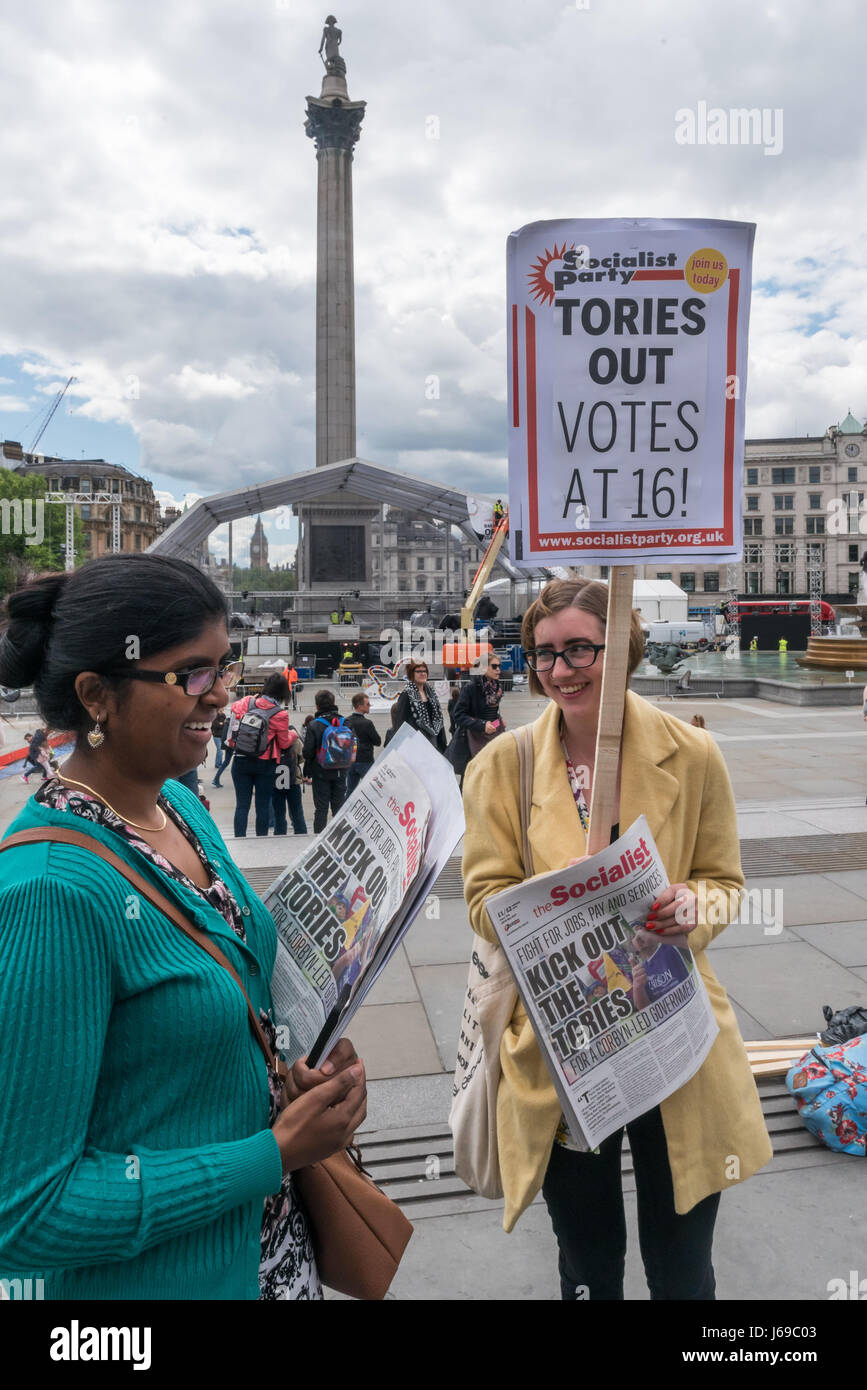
<point>329,750</point>
<point>261,733</point>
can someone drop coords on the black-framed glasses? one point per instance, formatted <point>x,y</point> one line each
<point>576,655</point>
<point>195,682</point>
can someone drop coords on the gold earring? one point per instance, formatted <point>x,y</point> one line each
<point>96,736</point>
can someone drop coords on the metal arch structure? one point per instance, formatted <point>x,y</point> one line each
<point>355,476</point>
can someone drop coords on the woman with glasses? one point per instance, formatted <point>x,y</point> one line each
<point>418,706</point>
<point>477,714</point>
<point>156,1161</point>
<point>682,1150</point>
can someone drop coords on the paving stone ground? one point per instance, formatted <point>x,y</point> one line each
<point>782,1235</point>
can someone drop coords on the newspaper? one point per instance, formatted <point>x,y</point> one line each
<point>622,1016</point>
<point>342,909</point>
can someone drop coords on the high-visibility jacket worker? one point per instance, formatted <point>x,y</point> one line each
<point>754,644</point>
<point>784,646</point>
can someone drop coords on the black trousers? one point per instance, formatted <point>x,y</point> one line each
<point>584,1195</point>
<point>328,794</point>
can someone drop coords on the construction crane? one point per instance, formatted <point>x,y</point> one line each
<point>49,414</point>
<point>501,530</point>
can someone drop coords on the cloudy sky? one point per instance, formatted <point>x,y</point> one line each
<point>157,233</point>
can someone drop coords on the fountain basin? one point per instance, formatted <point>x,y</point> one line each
<point>835,653</point>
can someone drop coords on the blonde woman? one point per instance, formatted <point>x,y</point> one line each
<point>672,773</point>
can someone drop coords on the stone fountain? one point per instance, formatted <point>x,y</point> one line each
<point>847,647</point>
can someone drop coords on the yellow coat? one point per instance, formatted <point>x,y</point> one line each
<point>675,775</point>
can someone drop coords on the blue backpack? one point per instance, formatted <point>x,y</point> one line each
<point>339,744</point>
<point>829,1085</point>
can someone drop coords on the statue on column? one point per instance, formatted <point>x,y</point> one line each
<point>332,38</point>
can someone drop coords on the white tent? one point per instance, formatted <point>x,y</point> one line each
<point>656,599</point>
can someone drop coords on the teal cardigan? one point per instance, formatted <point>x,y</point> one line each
<point>135,1147</point>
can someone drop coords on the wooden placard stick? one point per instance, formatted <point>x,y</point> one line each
<point>602,800</point>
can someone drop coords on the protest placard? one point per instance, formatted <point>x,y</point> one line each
<point>627,374</point>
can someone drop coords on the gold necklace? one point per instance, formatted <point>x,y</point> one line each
<point>153,829</point>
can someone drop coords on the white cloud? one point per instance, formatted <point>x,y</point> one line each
<point>159,229</point>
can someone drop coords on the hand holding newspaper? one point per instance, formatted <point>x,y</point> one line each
<point>342,909</point>
<point>622,1016</point>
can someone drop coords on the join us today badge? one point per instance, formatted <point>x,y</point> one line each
<point>706,270</point>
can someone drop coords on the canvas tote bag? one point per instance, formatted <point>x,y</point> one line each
<point>490,1002</point>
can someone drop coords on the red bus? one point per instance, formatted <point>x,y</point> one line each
<point>746,607</point>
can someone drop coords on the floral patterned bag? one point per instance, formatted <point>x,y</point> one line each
<point>829,1085</point>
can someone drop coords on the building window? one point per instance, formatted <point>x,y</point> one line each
<point>815,556</point>
<point>711,583</point>
<point>663,574</point>
<point>852,475</point>
<point>85,485</point>
<point>420,581</point>
<point>782,477</point>
<point>783,555</point>
<point>757,526</point>
<point>854,557</point>
<point>137,541</point>
<point>752,554</point>
<point>687,582</point>
<point>439,586</point>
<point>138,513</point>
<point>752,504</point>
<point>114,485</point>
<point>752,477</point>
<point>401,562</point>
<point>784,582</point>
<point>439,562</point>
<point>456,563</point>
<point>784,502</point>
<point>854,577</point>
<point>85,536</point>
<point>753,582</point>
<point>815,526</point>
<point>402,586</point>
<point>54,485</point>
<point>815,501</point>
<point>419,564</point>
<point>815,474</point>
<point>784,526</point>
<point>603,571</point>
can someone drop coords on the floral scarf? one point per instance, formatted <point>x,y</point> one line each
<point>426,713</point>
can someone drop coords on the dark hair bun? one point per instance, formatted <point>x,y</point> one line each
<point>23,644</point>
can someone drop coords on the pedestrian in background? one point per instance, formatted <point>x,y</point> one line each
<point>287,789</point>
<point>217,731</point>
<point>368,739</point>
<point>329,783</point>
<point>36,755</point>
<point>291,676</point>
<point>477,714</point>
<point>255,772</point>
<point>418,706</point>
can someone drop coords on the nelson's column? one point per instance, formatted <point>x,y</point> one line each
<point>334,549</point>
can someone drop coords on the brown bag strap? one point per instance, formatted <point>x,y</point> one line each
<point>524,739</point>
<point>153,895</point>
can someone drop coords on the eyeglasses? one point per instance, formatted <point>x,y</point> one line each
<point>196,682</point>
<point>576,655</point>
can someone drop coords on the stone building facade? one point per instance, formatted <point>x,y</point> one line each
<point>802,501</point>
<point>140,520</point>
<point>412,556</point>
